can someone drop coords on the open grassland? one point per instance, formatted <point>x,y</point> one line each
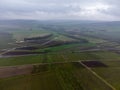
<point>67,76</point>
<point>21,34</point>
<point>5,41</point>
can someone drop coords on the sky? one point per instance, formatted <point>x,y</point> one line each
<point>105,10</point>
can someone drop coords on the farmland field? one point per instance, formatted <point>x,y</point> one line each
<point>65,55</point>
<point>57,57</point>
<point>68,76</point>
<point>111,75</point>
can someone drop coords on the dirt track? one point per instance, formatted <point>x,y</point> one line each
<point>95,74</point>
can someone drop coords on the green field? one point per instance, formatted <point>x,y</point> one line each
<point>5,41</point>
<point>66,47</point>
<point>111,73</point>
<point>69,76</point>
<point>58,57</point>
<point>21,34</point>
<point>58,66</point>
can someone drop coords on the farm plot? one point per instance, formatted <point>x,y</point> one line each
<point>94,64</point>
<point>58,57</point>
<point>111,73</point>
<point>20,60</point>
<point>107,55</point>
<point>65,76</point>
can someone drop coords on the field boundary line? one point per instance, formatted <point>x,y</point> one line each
<point>94,73</point>
<point>1,67</point>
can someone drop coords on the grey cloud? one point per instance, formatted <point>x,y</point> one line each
<point>59,9</point>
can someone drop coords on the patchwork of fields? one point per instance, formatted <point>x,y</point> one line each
<point>61,76</point>
<point>59,56</point>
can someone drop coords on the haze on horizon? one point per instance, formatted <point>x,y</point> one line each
<point>107,10</point>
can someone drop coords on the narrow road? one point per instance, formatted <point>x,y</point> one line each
<point>94,73</point>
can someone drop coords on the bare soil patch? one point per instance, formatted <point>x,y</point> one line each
<point>15,70</point>
<point>94,64</point>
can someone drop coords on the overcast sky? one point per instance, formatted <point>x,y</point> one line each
<point>60,9</point>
